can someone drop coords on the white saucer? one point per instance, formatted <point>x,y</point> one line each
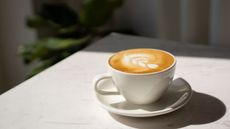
<point>177,96</point>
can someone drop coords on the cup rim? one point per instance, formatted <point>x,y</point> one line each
<point>149,73</point>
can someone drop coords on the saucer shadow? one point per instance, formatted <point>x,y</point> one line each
<point>201,109</point>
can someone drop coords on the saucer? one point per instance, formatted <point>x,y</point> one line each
<point>178,94</point>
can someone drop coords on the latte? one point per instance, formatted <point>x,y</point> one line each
<point>141,60</point>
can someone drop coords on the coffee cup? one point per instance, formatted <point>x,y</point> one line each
<point>140,75</point>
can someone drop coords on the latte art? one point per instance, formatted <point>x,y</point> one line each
<point>141,60</point>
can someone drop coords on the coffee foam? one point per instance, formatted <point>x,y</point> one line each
<point>141,60</point>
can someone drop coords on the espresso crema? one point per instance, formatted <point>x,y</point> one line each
<point>141,60</point>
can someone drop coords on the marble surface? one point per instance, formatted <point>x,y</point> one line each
<point>62,97</point>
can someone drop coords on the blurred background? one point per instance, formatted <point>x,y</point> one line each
<point>35,32</point>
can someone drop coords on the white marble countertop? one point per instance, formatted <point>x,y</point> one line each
<point>62,97</point>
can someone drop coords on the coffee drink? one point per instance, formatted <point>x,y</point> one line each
<point>141,75</point>
<point>140,61</point>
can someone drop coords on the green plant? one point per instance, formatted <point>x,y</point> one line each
<point>68,31</point>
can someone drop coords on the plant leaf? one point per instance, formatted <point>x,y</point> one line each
<point>59,14</point>
<point>59,44</point>
<point>35,21</point>
<point>95,13</point>
<point>49,47</point>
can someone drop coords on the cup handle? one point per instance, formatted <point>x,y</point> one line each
<point>97,79</point>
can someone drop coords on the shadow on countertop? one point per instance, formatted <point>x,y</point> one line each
<point>201,109</point>
<point>116,42</point>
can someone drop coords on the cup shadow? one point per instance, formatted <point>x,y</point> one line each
<point>201,109</point>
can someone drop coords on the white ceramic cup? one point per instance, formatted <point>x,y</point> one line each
<point>144,88</point>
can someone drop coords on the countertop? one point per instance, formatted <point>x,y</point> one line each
<point>62,97</point>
